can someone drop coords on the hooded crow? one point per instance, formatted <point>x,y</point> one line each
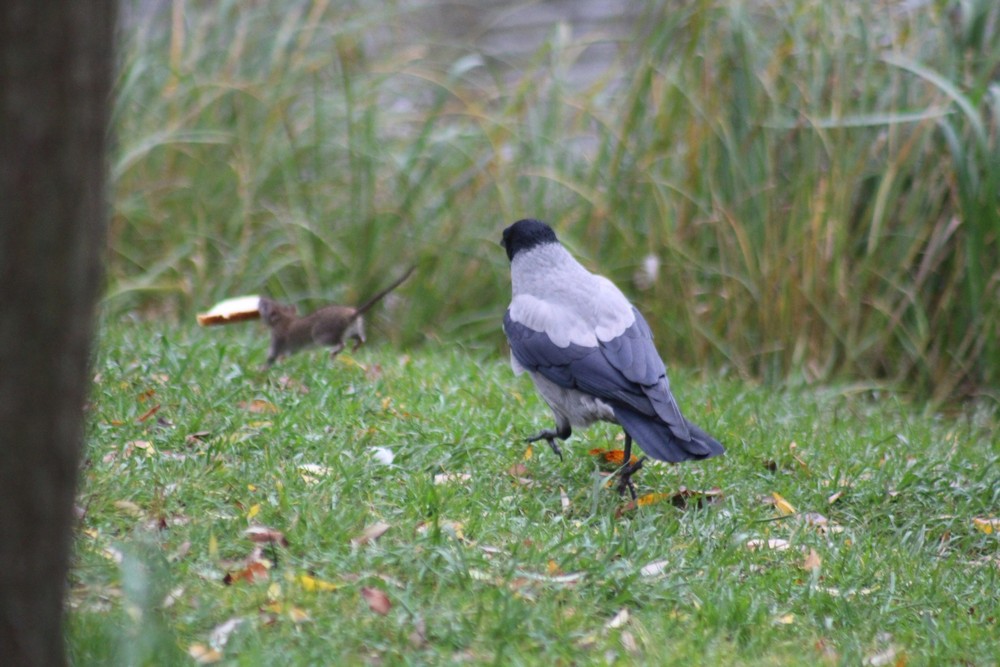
<point>590,353</point>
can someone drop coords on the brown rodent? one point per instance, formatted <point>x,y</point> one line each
<point>330,325</point>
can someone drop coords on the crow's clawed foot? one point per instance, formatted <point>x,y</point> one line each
<point>625,477</point>
<point>549,436</point>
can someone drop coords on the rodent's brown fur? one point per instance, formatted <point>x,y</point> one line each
<point>330,325</point>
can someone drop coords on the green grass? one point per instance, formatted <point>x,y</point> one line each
<point>470,566</point>
<point>817,179</point>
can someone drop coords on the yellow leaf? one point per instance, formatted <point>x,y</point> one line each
<point>251,487</point>
<point>787,619</point>
<point>213,546</point>
<point>784,507</point>
<point>987,525</point>
<point>309,583</point>
<point>298,615</point>
<point>652,498</point>
<point>528,453</point>
<point>254,511</point>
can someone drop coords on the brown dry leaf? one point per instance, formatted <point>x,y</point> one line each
<point>149,413</point>
<point>371,533</point>
<point>812,561</point>
<point>377,600</point>
<point>258,406</point>
<point>204,655</point>
<point>519,471</point>
<point>373,372</point>
<point>265,535</point>
<point>256,570</point>
<point>988,525</point>
<point>834,497</point>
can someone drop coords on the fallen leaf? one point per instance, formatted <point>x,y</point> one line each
<point>148,413</point>
<point>204,655</point>
<point>564,499</point>
<point>654,568</point>
<point>265,535</point>
<point>377,600</point>
<point>312,472</point>
<point>310,583</point>
<point>371,533</point>
<point>528,453</point>
<point>128,507</point>
<point>775,543</point>
<point>683,498</point>
<point>453,528</point>
<point>987,525</point>
<point>383,455</point>
<point>221,633</point>
<point>618,620</point>
<point>254,571</point>
<point>291,384</point>
<point>613,456</point>
<point>783,506</point>
<point>447,477</point>
<point>253,511</point>
<point>258,406</point>
<point>812,561</point>
<point>834,497</point>
<point>628,642</point>
<point>298,615</point>
<point>786,619</point>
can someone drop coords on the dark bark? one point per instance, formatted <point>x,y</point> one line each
<point>55,77</point>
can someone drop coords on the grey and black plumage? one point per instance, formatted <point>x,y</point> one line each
<point>590,353</point>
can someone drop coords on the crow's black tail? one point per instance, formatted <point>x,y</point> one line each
<point>658,441</point>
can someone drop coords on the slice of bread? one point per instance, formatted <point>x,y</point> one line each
<point>232,310</point>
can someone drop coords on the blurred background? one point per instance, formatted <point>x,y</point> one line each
<point>793,191</point>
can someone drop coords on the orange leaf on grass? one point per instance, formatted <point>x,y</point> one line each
<point>258,406</point>
<point>614,456</point>
<point>254,571</point>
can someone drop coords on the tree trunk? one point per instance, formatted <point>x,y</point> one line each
<point>56,63</point>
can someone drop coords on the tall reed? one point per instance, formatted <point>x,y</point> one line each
<point>818,181</point>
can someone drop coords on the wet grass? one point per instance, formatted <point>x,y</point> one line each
<point>510,558</point>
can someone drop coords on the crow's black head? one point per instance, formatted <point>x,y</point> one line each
<point>526,234</point>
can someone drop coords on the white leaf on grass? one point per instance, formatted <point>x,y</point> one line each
<point>619,619</point>
<point>777,544</point>
<point>221,633</point>
<point>654,568</point>
<point>383,455</point>
<point>447,477</point>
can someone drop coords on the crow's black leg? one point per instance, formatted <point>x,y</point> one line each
<point>562,431</point>
<point>628,469</point>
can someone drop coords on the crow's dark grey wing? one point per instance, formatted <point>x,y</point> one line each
<point>588,369</point>
<point>634,355</point>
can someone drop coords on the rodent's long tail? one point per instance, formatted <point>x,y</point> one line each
<point>378,297</point>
